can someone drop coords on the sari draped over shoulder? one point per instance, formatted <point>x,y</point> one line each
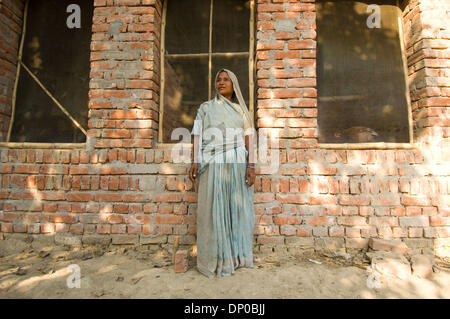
<point>225,211</point>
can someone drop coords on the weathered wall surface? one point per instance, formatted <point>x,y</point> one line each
<point>123,187</point>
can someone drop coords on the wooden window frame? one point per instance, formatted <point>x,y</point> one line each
<point>210,54</point>
<point>21,64</point>
<point>384,145</point>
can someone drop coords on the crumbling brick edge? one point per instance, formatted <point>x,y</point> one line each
<point>294,245</point>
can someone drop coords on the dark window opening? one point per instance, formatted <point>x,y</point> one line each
<point>59,58</point>
<point>362,91</point>
<point>216,35</point>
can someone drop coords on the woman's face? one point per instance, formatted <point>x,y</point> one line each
<point>224,85</point>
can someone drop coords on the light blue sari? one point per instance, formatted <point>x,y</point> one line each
<point>225,213</point>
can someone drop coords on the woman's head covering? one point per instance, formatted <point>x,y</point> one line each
<point>237,92</point>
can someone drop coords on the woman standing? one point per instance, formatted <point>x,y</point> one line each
<point>224,163</point>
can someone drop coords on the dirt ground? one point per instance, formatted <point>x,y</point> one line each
<point>29,271</point>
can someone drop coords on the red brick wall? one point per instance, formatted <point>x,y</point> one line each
<point>427,42</point>
<point>125,187</point>
<point>11,16</point>
<point>344,197</point>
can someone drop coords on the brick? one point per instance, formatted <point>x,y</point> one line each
<point>351,232</point>
<point>357,243</point>
<point>354,200</point>
<point>414,221</point>
<point>122,239</point>
<point>383,221</point>
<point>366,211</point>
<point>79,197</point>
<point>317,221</point>
<point>20,228</point>
<point>63,218</point>
<point>415,201</point>
<point>352,221</point>
<point>7,228</point>
<point>270,240</point>
<point>168,219</point>
<point>386,200</point>
<point>415,232</point>
<point>323,200</point>
<point>369,231</point>
<point>103,229</point>
<point>422,265</point>
<point>320,231</point>
<point>151,239</point>
<point>288,198</point>
<point>181,261</point>
<point>413,211</point>
<point>329,244</point>
<point>304,231</point>
<point>172,197</point>
<point>288,230</point>
<point>399,232</point>
<point>287,220</point>
<point>307,242</point>
<point>67,239</point>
<point>118,229</point>
<point>62,228</point>
<point>388,245</point>
<point>395,265</point>
<point>76,229</point>
<point>134,229</point>
<point>385,232</point>
<point>439,221</point>
<point>337,231</point>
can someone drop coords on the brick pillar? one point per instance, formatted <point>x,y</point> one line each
<point>124,87</point>
<point>287,107</point>
<point>11,20</point>
<point>286,72</point>
<point>427,38</point>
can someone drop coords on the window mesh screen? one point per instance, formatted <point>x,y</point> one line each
<point>59,57</point>
<point>185,90</point>
<point>230,26</point>
<point>187,26</point>
<point>188,51</point>
<point>362,93</point>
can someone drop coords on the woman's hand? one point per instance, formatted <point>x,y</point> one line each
<point>250,176</point>
<point>193,172</point>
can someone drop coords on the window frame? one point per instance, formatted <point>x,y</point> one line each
<point>210,54</point>
<point>386,145</point>
<point>37,145</point>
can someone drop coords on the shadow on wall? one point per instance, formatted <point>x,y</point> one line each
<point>360,194</point>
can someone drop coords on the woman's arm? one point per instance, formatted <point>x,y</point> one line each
<point>195,149</point>
<point>250,171</point>
<point>249,146</point>
<point>194,166</point>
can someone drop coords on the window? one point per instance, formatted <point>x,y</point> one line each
<point>362,90</point>
<point>51,99</point>
<point>198,38</point>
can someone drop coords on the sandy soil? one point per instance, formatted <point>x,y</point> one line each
<point>27,271</point>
